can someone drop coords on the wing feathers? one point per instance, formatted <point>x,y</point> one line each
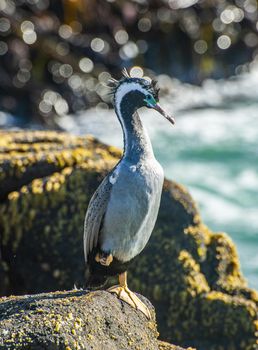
<point>94,216</point>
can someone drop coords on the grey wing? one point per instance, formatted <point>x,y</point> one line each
<point>95,214</point>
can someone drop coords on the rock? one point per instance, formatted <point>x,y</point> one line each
<point>75,320</point>
<point>191,275</point>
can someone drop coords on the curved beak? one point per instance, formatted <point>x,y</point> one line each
<point>162,112</point>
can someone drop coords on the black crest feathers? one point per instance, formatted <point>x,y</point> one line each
<point>125,73</point>
<point>155,88</point>
<point>150,85</point>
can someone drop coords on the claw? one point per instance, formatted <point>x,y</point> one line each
<point>125,294</point>
<point>103,259</point>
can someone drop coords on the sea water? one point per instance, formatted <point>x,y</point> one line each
<point>212,149</point>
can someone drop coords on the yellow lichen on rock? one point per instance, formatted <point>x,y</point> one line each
<point>92,325</point>
<point>191,274</point>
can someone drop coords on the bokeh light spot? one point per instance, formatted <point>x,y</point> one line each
<point>163,14</point>
<point>251,39</point>
<point>23,75</point>
<point>86,65</point>
<point>27,26</point>
<point>3,48</point>
<point>121,37</point>
<point>227,16</point>
<point>7,6</point>
<point>217,25</point>
<point>129,50</point>
<point>45,107</point>
<point>50,97</point>
<point>65,31</point>
<point>66,70</point>
<point>75,82</point>
<point>90,84</point>
<point>97,44</point>
<point>250,6</point>
<point>144,24</point>
<point>104,77</point>
<point>238,14</point>
<point>224,42</point>
<point>200,46</point>
<point>179,4</point>
<point>24,63</point>
<point>136,72</point>
<point>2,5</point>
<point>29,37</point>
<point>61,106</point>
<point>5,25</point>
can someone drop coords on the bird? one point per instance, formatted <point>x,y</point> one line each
<point>123,210</point>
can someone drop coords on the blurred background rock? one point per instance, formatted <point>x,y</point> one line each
<point>56,56</point>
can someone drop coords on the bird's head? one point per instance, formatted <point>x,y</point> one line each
<point>134,93</point>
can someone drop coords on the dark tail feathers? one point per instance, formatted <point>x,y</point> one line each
<point>94,281</point>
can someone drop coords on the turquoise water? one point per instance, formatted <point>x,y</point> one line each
<point>217,160</point>
<point>212,150</point>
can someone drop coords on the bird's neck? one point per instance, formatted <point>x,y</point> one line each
<point>137,145</point>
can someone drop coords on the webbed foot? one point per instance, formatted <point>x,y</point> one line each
<point>125,294</point>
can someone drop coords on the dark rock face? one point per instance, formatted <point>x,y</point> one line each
<point>191,275</point>
<point>75,320</point>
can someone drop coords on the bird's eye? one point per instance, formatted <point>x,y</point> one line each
<point>150,100</point>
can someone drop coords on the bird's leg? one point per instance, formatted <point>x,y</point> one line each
<point>104,259</point>
<point>125,294</point>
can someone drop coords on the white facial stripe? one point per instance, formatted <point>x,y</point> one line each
<point>124,89</point>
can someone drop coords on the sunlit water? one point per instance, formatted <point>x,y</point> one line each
<point>212,150</point>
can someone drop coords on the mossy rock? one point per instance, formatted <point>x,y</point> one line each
<point>193,278</point>
<point>191,274</point>
<point>76,320</point>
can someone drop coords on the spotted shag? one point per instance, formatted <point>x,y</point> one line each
<point>122,212</point>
